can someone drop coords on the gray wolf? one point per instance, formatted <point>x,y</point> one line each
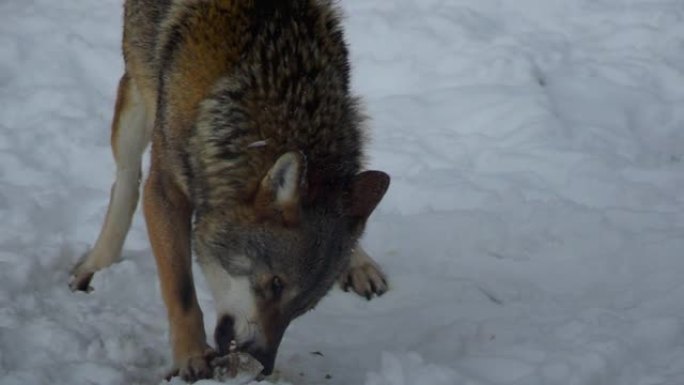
<point>256,165</point>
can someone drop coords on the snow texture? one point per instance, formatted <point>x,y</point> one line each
<point>533,232</point>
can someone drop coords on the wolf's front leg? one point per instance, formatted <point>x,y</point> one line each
<point>168,216</point>
<point>364,276</point>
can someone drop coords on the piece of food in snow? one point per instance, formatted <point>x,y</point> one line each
<point>238,367</point>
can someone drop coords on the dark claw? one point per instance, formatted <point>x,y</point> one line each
<point>172,374</point>
<point>196,375</point>
<point>211,356</point>
<point>368,295</point>
<point>82,284</point>
<point>347,284</point>
<point>373,288</point>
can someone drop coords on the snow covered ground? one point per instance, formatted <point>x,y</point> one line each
<point>533,233</point>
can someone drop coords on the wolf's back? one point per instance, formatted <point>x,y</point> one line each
<point>231,73</point>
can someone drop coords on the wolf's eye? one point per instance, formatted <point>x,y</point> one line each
<point>277,287</point>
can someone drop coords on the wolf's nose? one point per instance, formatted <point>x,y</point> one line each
<point>224,334</point>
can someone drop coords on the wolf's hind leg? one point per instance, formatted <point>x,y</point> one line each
<point>364,276</point>
<point>130,135</point>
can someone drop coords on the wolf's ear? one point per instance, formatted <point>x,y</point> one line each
<point>279,191</point>
<point>367,191</point>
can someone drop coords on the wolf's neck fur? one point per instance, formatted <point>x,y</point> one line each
<point>241,132</point>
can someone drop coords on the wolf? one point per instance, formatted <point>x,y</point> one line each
<point>257,149</point>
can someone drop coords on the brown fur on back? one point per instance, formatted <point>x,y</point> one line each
<point>240,83</point>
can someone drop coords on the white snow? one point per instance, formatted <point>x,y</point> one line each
<point>533,233</point>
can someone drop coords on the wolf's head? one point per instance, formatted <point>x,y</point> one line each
<point>283,256</point>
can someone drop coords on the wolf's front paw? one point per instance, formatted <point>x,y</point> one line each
<point>81,277</point>
<point>365,278</point>
<point>195,367</point>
